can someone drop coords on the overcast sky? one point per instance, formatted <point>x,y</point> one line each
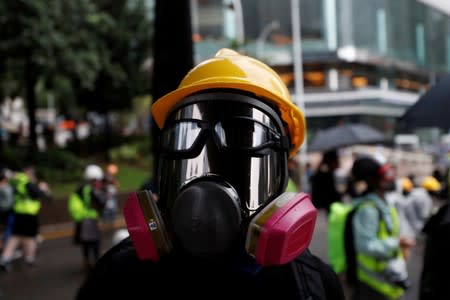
<point>443,5</point>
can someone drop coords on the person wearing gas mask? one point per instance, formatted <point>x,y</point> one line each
<point>380,267</point>
<point>223,225</point>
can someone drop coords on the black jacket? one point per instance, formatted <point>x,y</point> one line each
<point>434,281</point>
<point>119,274</point>
<point>323,189</point>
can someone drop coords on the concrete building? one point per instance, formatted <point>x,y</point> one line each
<point>362,60</point>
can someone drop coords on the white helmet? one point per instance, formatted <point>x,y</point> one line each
<point>93,172</point>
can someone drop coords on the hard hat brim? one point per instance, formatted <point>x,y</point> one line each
<point>292,116</point>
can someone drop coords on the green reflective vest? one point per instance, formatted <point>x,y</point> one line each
<point>23,203</point>
<point>80,205</point>
<point>370,270</point>
<point>291,187</point>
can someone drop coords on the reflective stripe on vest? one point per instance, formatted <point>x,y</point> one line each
<point>370,270</point>
<point>23,203</point>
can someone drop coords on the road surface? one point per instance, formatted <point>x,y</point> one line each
<point>59,271</point>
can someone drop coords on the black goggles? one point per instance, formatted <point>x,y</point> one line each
<point>247,129</point>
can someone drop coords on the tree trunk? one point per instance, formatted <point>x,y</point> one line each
<point>172,54</point>
<point>30,84</point>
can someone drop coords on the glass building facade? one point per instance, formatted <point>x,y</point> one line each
<point>406,30</point>
<point>363,60</point>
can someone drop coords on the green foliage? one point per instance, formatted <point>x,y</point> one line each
<point>132,177</point>
<point>126,45</point>
<point>13,157</point>
<point>57,165</point>
<point>76,48</point>
<point>63,171</point>
<point>55,38</point>
<point>54,165</point>
<point>135,152</point>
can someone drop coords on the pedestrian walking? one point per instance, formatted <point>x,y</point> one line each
<point>28,193</point>
<point>111,186</point>
<point>419,202</point>
<point>380,268</point>
<point>85,206</point>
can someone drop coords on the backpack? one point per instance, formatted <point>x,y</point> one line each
<point>341,250</point>
<point>341,247</point>
<point>316,279</point>
<point>336,227</point>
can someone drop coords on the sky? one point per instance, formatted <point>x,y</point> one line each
<point>442,5</point>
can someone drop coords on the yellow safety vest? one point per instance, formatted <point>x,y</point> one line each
<point>370,270</point>
<point>80,205</point>
<point>291,187</point>
<point>23,203</point>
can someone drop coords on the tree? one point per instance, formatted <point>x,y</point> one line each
<point>125,48</point>
<point>53,41</point>
<point>83,52</point>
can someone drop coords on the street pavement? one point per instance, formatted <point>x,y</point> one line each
<point>59,272</point>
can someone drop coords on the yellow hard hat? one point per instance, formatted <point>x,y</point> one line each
<point>431,184</point>
<point>407,184</point>
<point>229,69</point>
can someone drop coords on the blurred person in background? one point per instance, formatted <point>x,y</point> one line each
<point>227,133</point>
<point>381,271</point>
<point>308,173</point>
<point>111,186</point>
<point>434,283</point>
<point>28,194</point>
<point>323,182</point>
<point>6,205</point>
<point>399,198</point>
<point>85,206</point>
<point>419,202</point>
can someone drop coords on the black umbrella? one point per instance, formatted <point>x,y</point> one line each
<point>432,109</point>
<point>346,135</point>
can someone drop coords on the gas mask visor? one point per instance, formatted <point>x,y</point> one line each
<point>236,138</point>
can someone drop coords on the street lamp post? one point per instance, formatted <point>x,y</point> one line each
<point>299,98</point>
<point>274,25</point>
<point>237,23</point>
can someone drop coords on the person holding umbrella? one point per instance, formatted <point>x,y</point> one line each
<point>381,271</point>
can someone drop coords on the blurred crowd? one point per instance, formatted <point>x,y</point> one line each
<point>420,214</point>
<point>393,214</point>
<point>21,194</point>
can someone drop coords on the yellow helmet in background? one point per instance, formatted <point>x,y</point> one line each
<point>431,184</point>
<point>407,184</point>
<point>231,70</point>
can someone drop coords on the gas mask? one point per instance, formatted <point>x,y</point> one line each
<point>223,171</point>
